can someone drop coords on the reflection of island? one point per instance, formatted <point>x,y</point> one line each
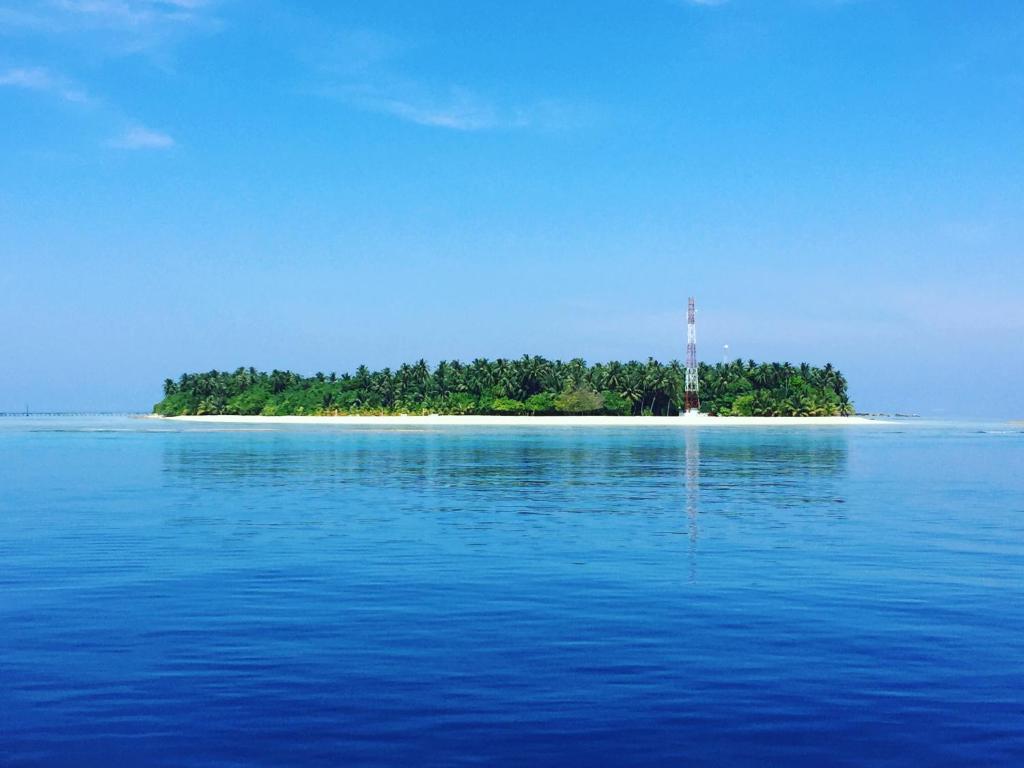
<point>624,472</point>
<point>560,500</point>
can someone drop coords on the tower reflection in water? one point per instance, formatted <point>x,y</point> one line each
<point>692,495</point>
<point>759,487</point>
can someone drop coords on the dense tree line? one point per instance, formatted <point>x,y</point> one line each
<point>529,385</point>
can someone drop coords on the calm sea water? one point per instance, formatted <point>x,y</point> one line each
<point>180,595</point>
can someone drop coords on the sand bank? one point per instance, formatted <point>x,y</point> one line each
<point>546,421</point>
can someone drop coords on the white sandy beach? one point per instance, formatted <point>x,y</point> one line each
<point>546,421</point>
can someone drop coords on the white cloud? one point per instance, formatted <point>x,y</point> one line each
<point>107,28</point>
<point>140,137</point>
<point>376,72</point>
<point>134,12</point>
<point>458,109</point>
<point>33,78</point>
<point>42,79</point>
<point>111,27</point>
<point>361,68</point>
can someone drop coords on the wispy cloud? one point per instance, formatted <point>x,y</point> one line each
<point>140,137</point>
<point>363,69</point>
<point>135,12</point>
<point>455,108</point>
<point>113,27</point>
<point>42,79</point>
<point>134,136</point>
<point>109,29</point>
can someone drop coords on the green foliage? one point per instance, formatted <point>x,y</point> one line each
<point>460,404</point>
<point>540,404</point>
<point>532,385</point>
<point>176,404</point>
<point>615,404</point>
<point>742,406</point>
<point>249,402</point>
<point>580,399</point>
<point>507,405</point>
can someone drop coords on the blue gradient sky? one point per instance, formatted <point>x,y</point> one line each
<point>188,184</point>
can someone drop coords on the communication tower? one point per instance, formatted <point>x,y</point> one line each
<point>692,384</point>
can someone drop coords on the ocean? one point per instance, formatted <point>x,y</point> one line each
<point>183,594</point>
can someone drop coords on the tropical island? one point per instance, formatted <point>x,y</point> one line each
<point>528,386</point>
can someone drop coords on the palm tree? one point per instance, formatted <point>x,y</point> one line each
<point>632,387</point>
<point>576,372</point>
<point>481,376</point>
<point>505,378</point>
<point>457,373</point>
<point>362,377</point>
<point>442,380</point>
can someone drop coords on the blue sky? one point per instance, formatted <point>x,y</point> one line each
<point>190,184</point>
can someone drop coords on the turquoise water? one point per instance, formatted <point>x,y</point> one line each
<point>181,595</point>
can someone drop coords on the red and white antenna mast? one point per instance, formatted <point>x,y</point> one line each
<point>692,384</point>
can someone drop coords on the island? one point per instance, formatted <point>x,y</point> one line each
<point>529,386</point>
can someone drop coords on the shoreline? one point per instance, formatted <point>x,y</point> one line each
<point>541,421</point>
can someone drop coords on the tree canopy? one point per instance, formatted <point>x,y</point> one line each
<point>530,385</point>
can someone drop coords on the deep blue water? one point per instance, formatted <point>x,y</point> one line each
<point>180,595</point>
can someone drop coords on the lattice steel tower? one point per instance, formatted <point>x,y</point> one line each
<point>692,384</point>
